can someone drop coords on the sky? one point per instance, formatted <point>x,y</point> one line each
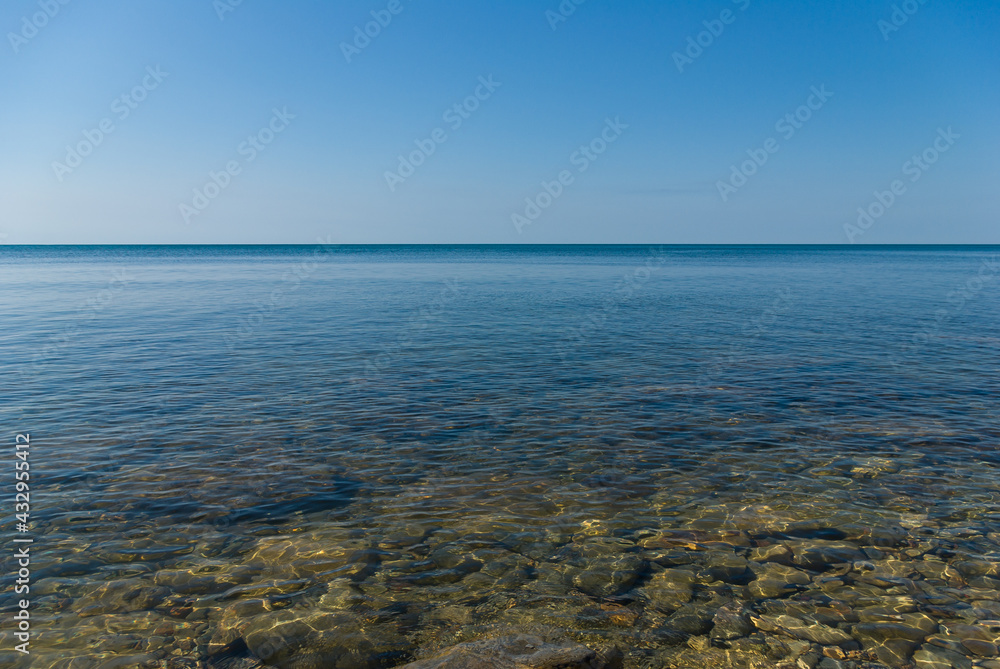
<point>460,121</point>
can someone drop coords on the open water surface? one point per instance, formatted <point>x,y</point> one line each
<point>354,456</point>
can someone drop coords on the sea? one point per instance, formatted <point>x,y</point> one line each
<point>360,456</point>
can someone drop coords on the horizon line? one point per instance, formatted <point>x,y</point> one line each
<point>495,244</point>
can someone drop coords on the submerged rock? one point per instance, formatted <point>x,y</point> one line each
<point>777,580</point>
<point>878,632</point>
<point>731,622</point>
<point>819,555</point>
<point>121,596</point>
<point>772,553</point>
<point>316,640</point>
<point>692,619</point>
<point>933,657</point>
<point>981,648</point>
<point>895,653</point>
<point>608,577</point>
<point>729,568</point>
<point>519,651</point>
<point>234,656</point>
<point>670,589</point>
<point>815,632</point>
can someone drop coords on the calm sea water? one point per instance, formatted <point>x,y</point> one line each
<point>417,445</point>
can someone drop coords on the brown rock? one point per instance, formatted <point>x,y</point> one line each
<point>895,652</point>
<point>932,657</point>
<point>878,632</point>
<point>968,631</point>
<point>834,653</point>
<point>519,651</point>
<point>773,553</point>
<point>980,647</point>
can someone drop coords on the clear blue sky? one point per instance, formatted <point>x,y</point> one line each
<point>324,173</point>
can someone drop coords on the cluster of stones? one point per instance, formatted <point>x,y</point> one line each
<point>663,597</point>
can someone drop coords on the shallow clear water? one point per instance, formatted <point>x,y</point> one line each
<point>351,456</point>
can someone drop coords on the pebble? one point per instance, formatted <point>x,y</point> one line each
<point>692,619</point>
<point>808,660</point>
<point>980,647</point>
<point>777,580</point>
<point>815,632</point>
<point>608,577</point>
<point>933,657</point>
<point>773,553</point>
<point>819,555</point>
<point>895,653</point>
<point>728,568</point>
<point>670,589</point>
<point>731,622</point>
<point>879,632</point>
